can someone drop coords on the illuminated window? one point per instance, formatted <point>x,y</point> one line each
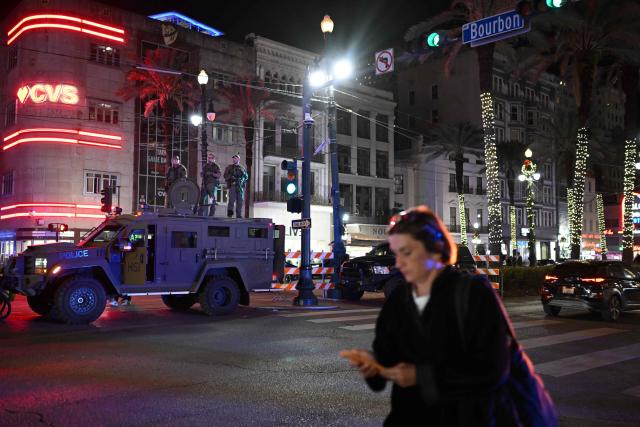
<point>104,112</point>
<point>106,55</point>
<point>12,57</point>
<point>94,182</point>
<point>7,184</point>
<point>10,116</point>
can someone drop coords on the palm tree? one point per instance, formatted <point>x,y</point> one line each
<point>582,41</point>
<point>248,100</point>
<point>460,12</point>
<point>511,155</point>
<point>453,141</point>
<point>162,89</point>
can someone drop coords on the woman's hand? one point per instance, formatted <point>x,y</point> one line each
<point>364,361</point>
<point>403,374</point>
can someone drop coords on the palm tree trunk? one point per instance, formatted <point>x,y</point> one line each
<point>248,137</point>
<point>167,127</point>
<point>459,164</point>
<point>485,70</point>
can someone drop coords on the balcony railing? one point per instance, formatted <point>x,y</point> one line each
<point>465,189</point>
<point>455,228</point>
<point>275,196</point>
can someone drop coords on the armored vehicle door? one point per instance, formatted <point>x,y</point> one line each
<point>134,266</point>
<point>183,256</point>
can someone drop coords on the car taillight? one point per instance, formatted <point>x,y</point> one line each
<point>550,278</point>
<point>592,279</point>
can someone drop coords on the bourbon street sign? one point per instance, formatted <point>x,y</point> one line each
<point>494,28</point>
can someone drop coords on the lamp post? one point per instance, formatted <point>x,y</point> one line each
<point>476,238</point>
<point>530,175</point>
<point>203,78</point>
<point>339,250</point>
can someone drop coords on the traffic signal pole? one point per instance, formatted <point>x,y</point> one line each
<point>305,284</point>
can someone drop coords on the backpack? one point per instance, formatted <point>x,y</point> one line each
<point>532,405</point>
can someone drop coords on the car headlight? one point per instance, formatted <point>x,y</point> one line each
<point>379,269</point>
<point>41,266</point>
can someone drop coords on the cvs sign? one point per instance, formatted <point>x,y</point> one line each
<point>44,92</point>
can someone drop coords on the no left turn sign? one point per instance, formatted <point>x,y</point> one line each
<point>384,61</point>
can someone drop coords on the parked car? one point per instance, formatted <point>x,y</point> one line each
<point>546,262</point>
<point>376,271</point>
<point>606,287</point>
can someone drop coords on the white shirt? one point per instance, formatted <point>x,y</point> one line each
<point>421,302</point>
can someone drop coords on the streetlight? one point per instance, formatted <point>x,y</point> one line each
<point>530,175</point>
<point>476,238</point>
<point>203,78</point>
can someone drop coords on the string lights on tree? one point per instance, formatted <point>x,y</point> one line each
<point>530,175</point>
<point>493,184</point>
<point>570,210</point>
<point>577,210</point>
<point>603,238</point>
<point>630,154</point>
<point>514,235</point>
<point>463,220</point>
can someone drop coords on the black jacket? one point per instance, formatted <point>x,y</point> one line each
<point>453,388</point>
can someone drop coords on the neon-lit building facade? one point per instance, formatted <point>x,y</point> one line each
<point>66,133</point>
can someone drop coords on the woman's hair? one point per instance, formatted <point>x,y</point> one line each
<point>423,225</point>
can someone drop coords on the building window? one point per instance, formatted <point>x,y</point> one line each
<point>546,171</point>
<point>382,164</point>
<point>10,116</point>
<point>499,107</point>
<point>435,116</point>
<point>412,98</point>
<point>94,182</point>
<point>499,134</point>
<point>497,84</point>
<point>516,113</point>
<point>382,204</point>
<point>545,100</point>
<point>344,158</point>
<point>479,188</point>
<point>346,197</point>
<point>344,122</point>
<point>363,124</point>
<point>106,55</point>
<point>289,138</point>
<point>12,57</point>
<point>382,128</point>
<point>516,134</point>
<point>519,216</point>
<point>479,217</point>
<point>7,184</point>
<point>453,217</point>
<point>104,112</point>
<point>531,118</point>
<point>364,161</point>
<point>529,93</point>
<point>363,201</point>
<point>452,182</point>
<point>434,91</point>
<point>398,182</point>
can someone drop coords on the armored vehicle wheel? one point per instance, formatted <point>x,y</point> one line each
<point>40,304</point>
<point>220,295</point>
<point>179,302</point>
<point>78,300</point>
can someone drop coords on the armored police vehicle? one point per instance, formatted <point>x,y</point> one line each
<point>187,259</point>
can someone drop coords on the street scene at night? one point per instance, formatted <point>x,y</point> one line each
<point>329,214</point>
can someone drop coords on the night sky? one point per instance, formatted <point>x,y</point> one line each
<point>361,26</point>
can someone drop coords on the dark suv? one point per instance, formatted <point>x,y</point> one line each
<point>607,287</point>
<point>376,271</point>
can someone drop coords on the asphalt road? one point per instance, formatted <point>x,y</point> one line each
<point>273,364</point>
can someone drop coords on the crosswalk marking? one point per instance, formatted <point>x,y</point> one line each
<point>365,327</point>
<point>330,312</point>
<point>531,323</point>
<point>344,318</point>
<point>584,362</point>
<point>567,337</point>
<point>634,391</point>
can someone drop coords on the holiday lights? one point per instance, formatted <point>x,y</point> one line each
<point>580,171</point>
<point>463,220</point>
<point>601,228</point>
<point>514,235</point>
<point>629,184</point>
<point>493,184</point>
<point>530,175</point>
<point>570,210</point>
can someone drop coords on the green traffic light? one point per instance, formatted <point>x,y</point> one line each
<point>433,40</point>
<point>554,4</point>
<point>291,188</point>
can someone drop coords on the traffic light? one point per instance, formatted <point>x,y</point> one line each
<point>58,227</point>
<point>294,204</point>
<point>435,39</point>
<point>291,182</point>
<point>529,8</point>
<point>106,201</point>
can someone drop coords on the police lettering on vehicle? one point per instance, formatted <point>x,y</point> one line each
<point>75,254</point>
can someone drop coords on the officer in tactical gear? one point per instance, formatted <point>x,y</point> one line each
<point>210,182</point>
<point>235,176</point>
<point>175,172</point>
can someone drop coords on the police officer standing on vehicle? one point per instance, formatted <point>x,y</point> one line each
<point>210,181</point>
<point>235,176</point>
<point>175,172</point>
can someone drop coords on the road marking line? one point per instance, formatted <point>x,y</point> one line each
<point>634,391</point>
<point>344,319</point>
<point>530,323</point>
<point>365,327</point>
<point>585,362</point>
<point>330,312</point>
<point>530,343</point>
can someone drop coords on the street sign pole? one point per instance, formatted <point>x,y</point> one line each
<point>305,284</point>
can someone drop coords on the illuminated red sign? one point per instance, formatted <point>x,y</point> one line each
<point>33,210</point>
<point>65,22</point>
<point>63,136</point>
<point>44,92</point>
